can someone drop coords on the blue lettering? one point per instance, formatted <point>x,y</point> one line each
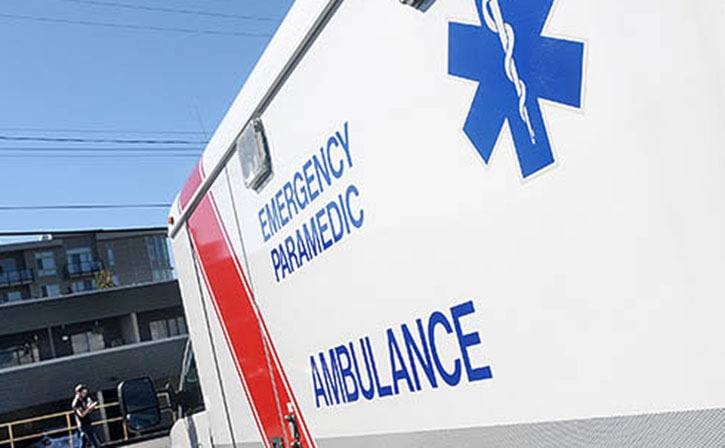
<point>333,380</point>
<point>323,168</point>
<point>303,190</point>
<point>312,238</point>
<point>468,340</point>
<point>263,224</point>
<point>351,393</point>
<point>397,365</point>
<point>423,358</point>
<point>323,226</point>
<point>284,262</point>
<point>438,318</point>
<point>289,243</point>
<point>368,393</point>
<point>345,142</point>
<point>345,213</point>
<point>290,200</point>
<point>329,224</point>
<point>272,216</point>
<point>317,384</point>
<point>276,262</point>
<point>337,173</point>
<point>357,222</point>
<point>341,379</point>
<point>301,248</point>
<point>286,267</point>
<point>383,391</point>
<point>337,234</point>
<point>281,207</point>
<point>308,180</point>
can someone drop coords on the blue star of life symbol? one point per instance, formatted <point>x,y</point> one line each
<point>515,66</point>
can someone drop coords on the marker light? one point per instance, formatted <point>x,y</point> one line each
<point>254,155</point>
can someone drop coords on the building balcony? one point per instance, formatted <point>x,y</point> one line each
<point>16,278</point>
<point>99,370</point>
<point>75,270</point>
<point>87,306</point>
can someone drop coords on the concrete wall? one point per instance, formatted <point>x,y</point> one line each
<point>129,328</point>
<point>54,380</point>
<point>84,307</point>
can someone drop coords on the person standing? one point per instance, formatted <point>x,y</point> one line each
<point>83,406</point>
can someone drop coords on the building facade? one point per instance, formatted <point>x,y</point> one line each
<point>86,307</point>
<point>71,263</point>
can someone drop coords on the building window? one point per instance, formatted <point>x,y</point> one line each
<point>86,342</point>
<point>110,256</point>
<point>45,262</point>
<point>159,330</point>
<point>7,265</point>
<point>16,356</point>
<point>83,285</point>
<point>80,260</point>
<point>161,275</point>
<point>157,250</point>
<point>7,358</point>
<point>50,290</point>
<point>167,328</point>
<point>13,296</point>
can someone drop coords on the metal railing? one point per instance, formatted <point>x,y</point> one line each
<point>9,431</point>
<point>17,277</point>
<point>19,355</point>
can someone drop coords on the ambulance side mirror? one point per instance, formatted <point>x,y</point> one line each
<point>139,404</point>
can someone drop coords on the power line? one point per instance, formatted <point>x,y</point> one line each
<point>129,26</point>
<point>133,141</point>
<point>81,206</point>
<point>86,149</point>
<point>100,156</point>
<point>176,11</point>
<point>69,232</point>
<point>98,131</point>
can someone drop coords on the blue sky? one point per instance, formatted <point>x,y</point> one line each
<point>69,76</point>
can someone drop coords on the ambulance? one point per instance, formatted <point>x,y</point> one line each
<point>464,223</point>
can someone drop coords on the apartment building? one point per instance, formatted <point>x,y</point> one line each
<point>60,264</point>
<point>92,307</point>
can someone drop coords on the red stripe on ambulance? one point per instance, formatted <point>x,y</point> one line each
<point>257,362</point>
<point>192,184</point>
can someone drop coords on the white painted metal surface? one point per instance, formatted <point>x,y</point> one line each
<point>595,278</point>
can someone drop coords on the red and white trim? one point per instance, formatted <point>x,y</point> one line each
<point>264,381</point>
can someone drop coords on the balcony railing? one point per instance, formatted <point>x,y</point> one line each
<point>15,278</point>
<point>17,356</point>
<point>73,270</point>
<point>60,430</point>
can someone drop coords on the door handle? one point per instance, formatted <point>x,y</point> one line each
<point>290,418</point>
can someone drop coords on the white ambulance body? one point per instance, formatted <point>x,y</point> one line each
<point>469,223</point>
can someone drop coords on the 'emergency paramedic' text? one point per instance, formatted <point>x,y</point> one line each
<point>329,223</point>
